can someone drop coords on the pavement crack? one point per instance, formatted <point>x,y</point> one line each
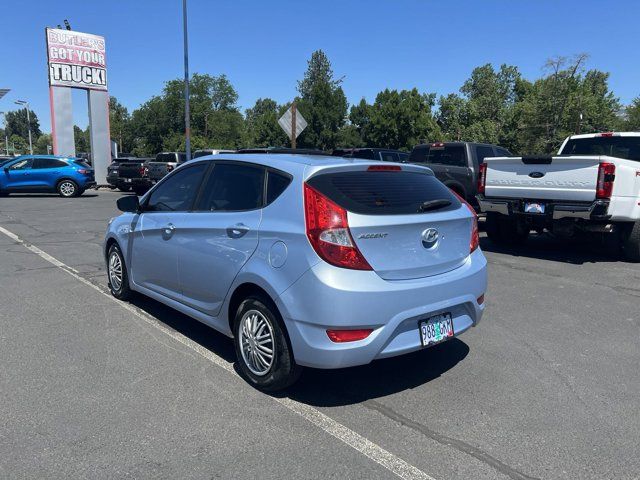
<point>448,441</point>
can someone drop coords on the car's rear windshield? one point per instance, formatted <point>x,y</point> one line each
<point>452,155</point>
<point>620,147</point>
<point>385,192</point>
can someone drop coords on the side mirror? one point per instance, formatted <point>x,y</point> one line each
<point>130,203</point>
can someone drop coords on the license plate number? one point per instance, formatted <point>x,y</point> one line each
<point>436,329</point>
<point>534,207</point>
<point>127,180</point>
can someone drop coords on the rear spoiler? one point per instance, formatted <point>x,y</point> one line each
<point>537,159</point>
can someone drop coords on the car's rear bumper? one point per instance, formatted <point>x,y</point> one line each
<point>327,297</point>
<point>554,210</point>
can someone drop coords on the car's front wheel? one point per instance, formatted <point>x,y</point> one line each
<point>265,358</point>
<point>68,188</point>
<point>117,273</point>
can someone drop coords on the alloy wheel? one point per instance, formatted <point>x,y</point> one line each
<point>256,342</point>
<point>67,189</point>
<point>115,271</point>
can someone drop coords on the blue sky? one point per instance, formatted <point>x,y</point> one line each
<point>263,45</point>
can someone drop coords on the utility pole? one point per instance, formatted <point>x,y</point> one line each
<point>294,110</point>
<point>6,137</point>
<point>187,121</point>
<point>26,104</point>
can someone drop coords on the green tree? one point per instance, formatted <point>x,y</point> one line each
<point>262,125</point>
<point>81,138</point>
<point>119,123</point>
<point>632,116</point>
<point>17,124</point>
<point>18,145</point>
<point>397,120</point>
<point>323,104</point>
<point>42,143</point>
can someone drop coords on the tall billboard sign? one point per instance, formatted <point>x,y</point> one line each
<point>79,60</point>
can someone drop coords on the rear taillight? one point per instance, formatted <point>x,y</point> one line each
<point>328,232</point>
<point>83,171</point>
<point>144,171</point>
<point>606,176</point>
<point>482,177</point>
<point>340,336</point>
<point>474,243</point>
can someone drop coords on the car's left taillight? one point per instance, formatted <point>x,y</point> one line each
<point>474,243</point>
<point>606,176</point>
<point>328,232</point>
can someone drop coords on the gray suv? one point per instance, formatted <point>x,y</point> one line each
<point>456,164</point>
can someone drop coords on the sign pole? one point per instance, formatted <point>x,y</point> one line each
<point>293,125</point>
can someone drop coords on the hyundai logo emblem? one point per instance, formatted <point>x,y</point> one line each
<point>536,174</point>
<point>429,238</point>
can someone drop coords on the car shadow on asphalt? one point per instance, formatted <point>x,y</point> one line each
<point>328,387</point>
<point>347,386</point>
<point>547,247</point>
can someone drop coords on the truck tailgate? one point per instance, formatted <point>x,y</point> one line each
<point>546,178</point>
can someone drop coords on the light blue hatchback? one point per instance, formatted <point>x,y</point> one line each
<point>304,260</point>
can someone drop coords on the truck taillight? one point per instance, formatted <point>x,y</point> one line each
<point>144,171</point>
<point>606,176</point>
<point>328,232</point>
<point>474,243</point>
<point>482,177</point>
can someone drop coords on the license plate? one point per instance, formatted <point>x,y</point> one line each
<point>127,180</point>
<point>534,207</point>
<point>436,329</point>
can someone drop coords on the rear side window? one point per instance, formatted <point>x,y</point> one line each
<point>233,188</point>
<point>366,154</point>
<point>450,155</point>
<point>276,184</point>
<point>483,151</point>
<point>178,192</point>
<point>620,147</point>
<point>389,156</point>
<point>383,193</point>
<point>49,163</point>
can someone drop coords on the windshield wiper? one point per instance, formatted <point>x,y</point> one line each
<point>434,204</point>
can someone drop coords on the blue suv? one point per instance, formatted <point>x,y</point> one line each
<point>70,177</point>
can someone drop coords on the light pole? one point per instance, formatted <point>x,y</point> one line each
<point>6,137</point>
<point>26,104</point>
<point>187,121</point>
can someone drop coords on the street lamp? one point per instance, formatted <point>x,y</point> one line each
<point>187,120</point>
<point>26,104</point>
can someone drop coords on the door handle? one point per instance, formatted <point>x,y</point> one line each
<point>168,231</point>
<point>238,230</point>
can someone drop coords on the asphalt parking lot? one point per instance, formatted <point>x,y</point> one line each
<point>547,386</point>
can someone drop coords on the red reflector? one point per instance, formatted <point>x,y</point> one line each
<point>481,299</point>
<point>607,134</point>
<point>340,336</point>
<point>384,168</point>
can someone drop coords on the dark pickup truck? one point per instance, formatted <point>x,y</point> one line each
<point>129,173</point>
<point>456,164</point>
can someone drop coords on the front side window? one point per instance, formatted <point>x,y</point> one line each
<point>49,163</point>
<point>25,164</point>
<point>178,192</point>
<point>233,188</point>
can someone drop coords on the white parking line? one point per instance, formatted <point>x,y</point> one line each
<point>356,441</point>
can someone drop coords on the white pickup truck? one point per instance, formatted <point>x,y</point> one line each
<point>592,185</point>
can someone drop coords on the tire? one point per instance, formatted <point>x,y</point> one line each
<point>262,372</point>
<point>68,189</point>
<point>118,278</point>
<point>501,230</point>
<point>631,243</point>
<point>124,189</point>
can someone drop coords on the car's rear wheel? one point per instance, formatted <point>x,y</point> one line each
<point>68,188</point>
<point>504,231</point>
<point>631,243</point>
<point>117,274</point>
<point>264,355</point>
